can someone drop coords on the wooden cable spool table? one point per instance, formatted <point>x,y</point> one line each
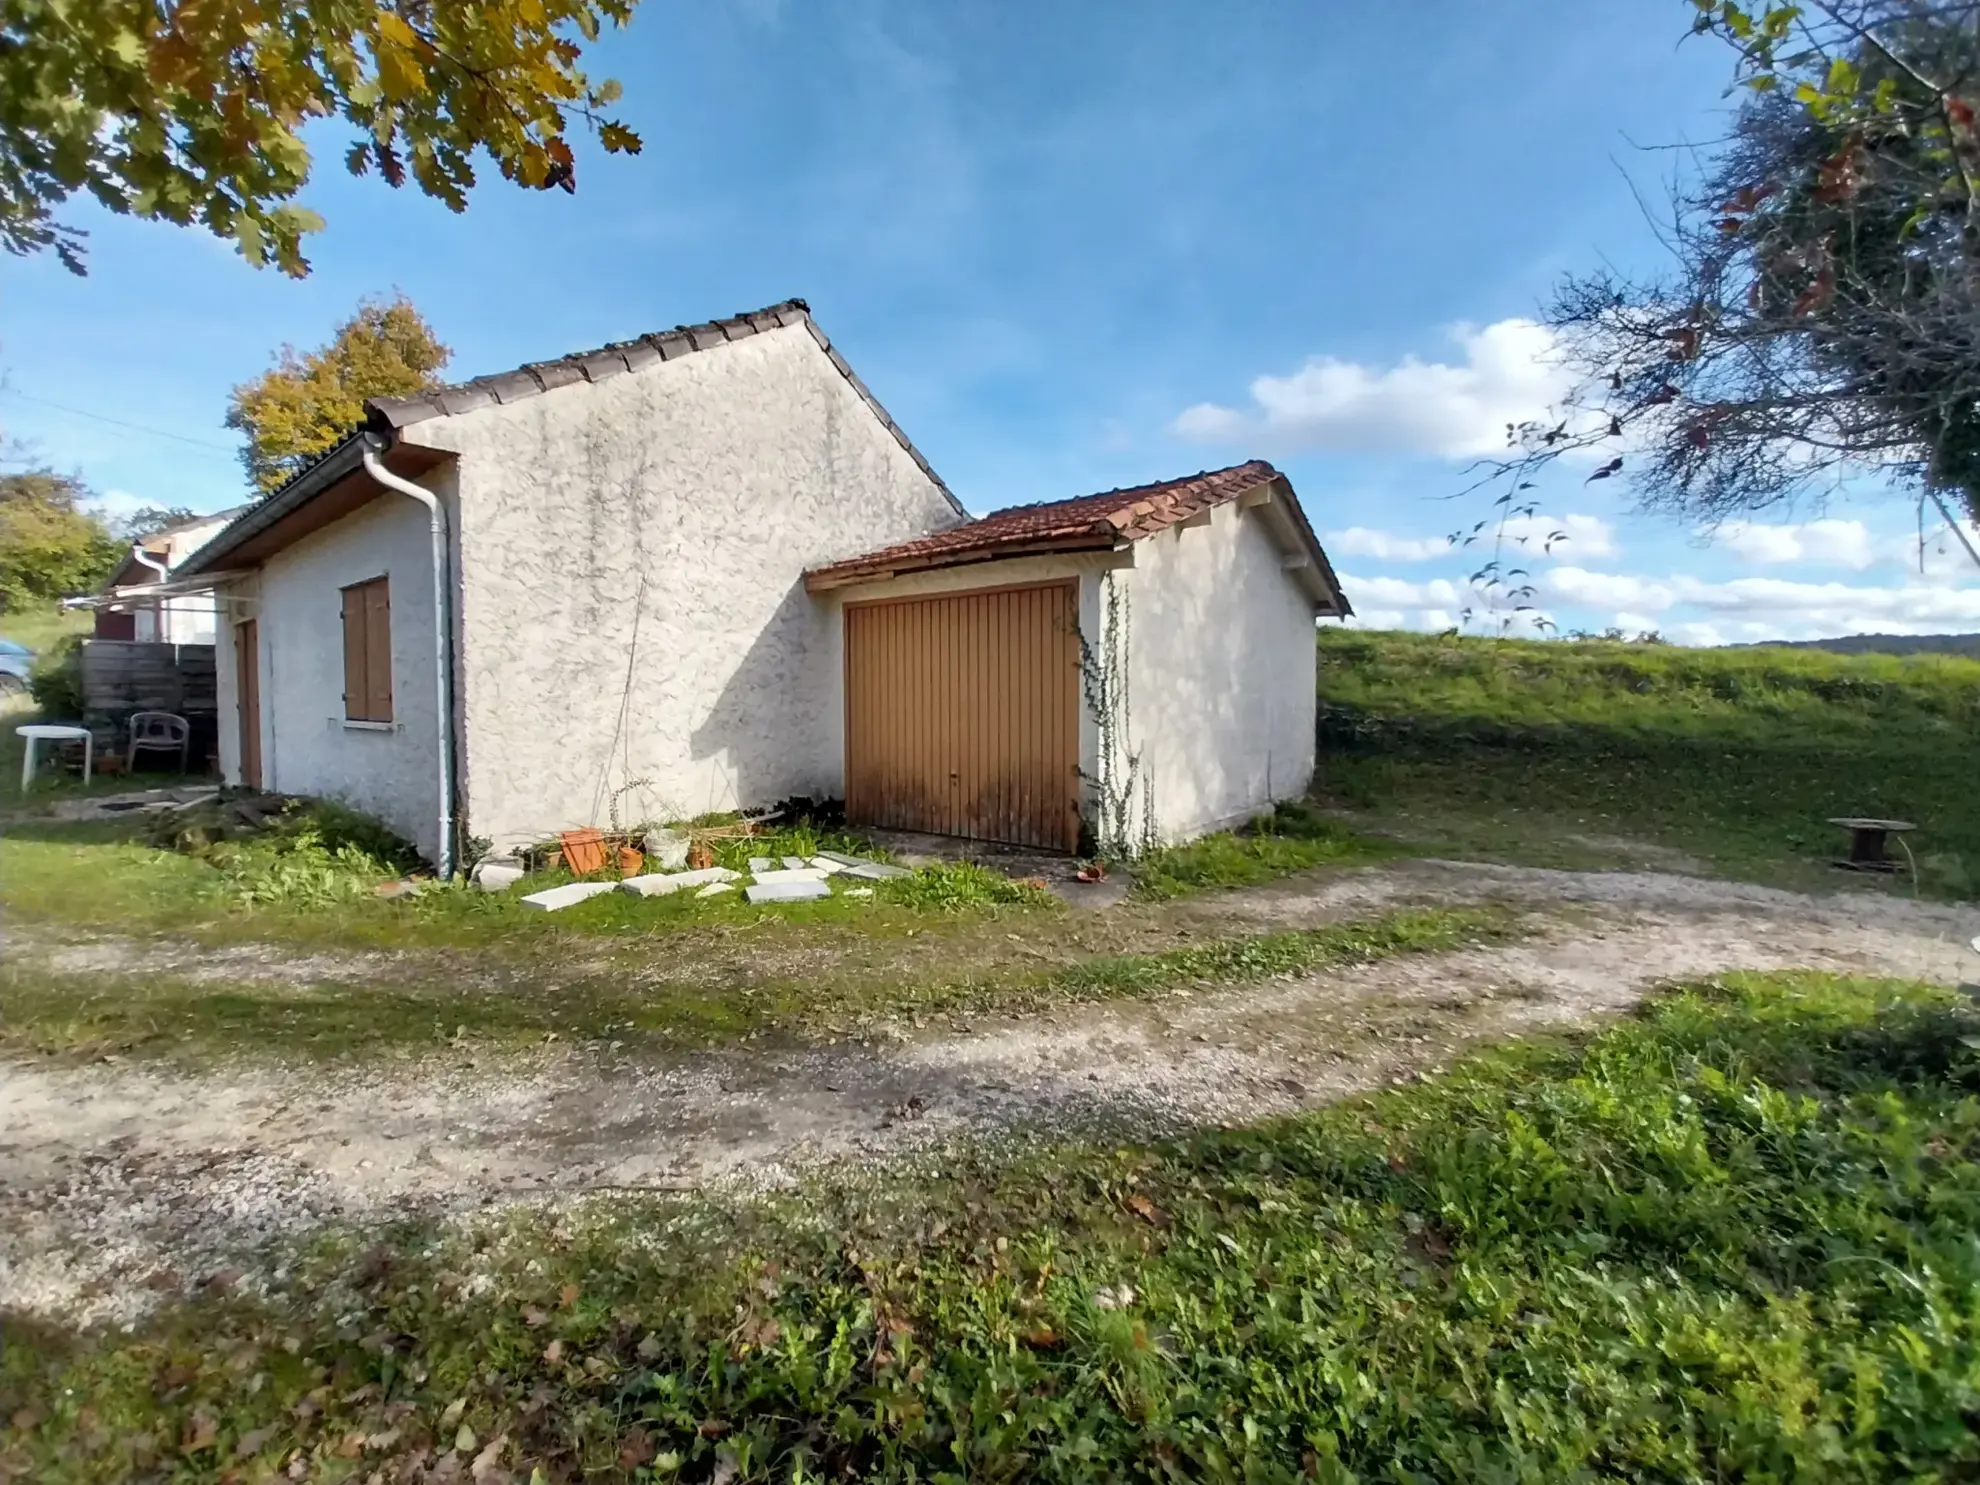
<point>1867,839</point>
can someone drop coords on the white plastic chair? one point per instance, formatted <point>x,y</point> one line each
<point>159,732</point>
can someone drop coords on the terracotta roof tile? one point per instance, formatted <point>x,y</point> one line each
<point>1081,524</point>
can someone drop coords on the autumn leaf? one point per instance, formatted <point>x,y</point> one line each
<point>201,1429</point>
<point>568,1296</point>
<point>1145,1209</point>
<point>636,1448</point>
<point>619,140</point>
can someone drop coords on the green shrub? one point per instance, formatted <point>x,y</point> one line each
<point>55,682</point>
<point>316,855</point>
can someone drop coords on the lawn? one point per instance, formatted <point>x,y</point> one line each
<point>1731,1238</point>
<point>40,628</point>
<point>1548,751</point>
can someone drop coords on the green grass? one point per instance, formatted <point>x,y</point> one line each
<point>1538,750</point>
<point>1731,1239</point>
<point>201,1021</point>
<point>1292,837</point>
<point>40,628</point>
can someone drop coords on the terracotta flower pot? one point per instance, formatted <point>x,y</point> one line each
<point>630,861</point>
<point>700,858</point>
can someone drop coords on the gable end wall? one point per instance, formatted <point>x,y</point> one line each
<point>632,612</point>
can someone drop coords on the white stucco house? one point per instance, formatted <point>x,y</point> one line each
<point>705,570</point>
<point>185,619</point>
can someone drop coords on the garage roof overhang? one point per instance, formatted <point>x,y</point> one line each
<point>1112,522</point>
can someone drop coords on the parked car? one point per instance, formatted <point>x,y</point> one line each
<point>16,660</point>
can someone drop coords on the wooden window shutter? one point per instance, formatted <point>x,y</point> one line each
<point>378,649</point>
<point>367,615</point>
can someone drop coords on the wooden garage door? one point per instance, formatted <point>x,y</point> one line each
<point>962,714</point>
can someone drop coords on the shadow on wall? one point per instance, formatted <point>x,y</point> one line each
<point>768,726</point>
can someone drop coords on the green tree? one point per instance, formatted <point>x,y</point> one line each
<point>1820,312</point>
<point>51,545</point>
<point>193,111</point>
<point>149,520</point>
<point>306,403</point>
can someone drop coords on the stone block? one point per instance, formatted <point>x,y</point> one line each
<point>660,883</point>
<point>556,899</point>
<point>497,876</point>
<point>787,891</point>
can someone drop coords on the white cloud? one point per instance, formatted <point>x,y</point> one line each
<point>1766,608</point>
<point>1695,633</point>
<point>1835,542</point>
<point>1607,590</point>
<point>1531,536</point>
<point>1509,373</point>
<point>1378,618</point>
<point>1574,536</point>
<point>116,505</point>
<point>1391,592</point>
<point>1384,546</point>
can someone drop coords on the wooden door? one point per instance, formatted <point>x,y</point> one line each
<point>247,698</point>
<point>962,714</point>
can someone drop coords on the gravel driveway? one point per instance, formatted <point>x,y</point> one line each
<point>118,1184</point>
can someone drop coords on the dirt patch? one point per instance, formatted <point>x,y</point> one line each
<point>117,1185</point>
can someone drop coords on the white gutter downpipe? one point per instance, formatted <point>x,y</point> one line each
<point>443,635</point>
<point>164,571</point>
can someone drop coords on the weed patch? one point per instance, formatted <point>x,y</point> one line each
<point>1731,1239</point>
<point>1292,837</point>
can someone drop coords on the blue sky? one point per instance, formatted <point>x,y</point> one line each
<point>1070,247</point>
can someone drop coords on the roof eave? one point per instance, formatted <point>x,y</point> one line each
<point>1317,575</point>
<point>338,462</point>
<point>846,575</point>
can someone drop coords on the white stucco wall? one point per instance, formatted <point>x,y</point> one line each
<point>306,745</point>
<point>1221,673</point>
<point>632,603</point>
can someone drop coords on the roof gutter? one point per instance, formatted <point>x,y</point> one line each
<point>177,587</point>
<point>372,445</point>
<point>313,481</point>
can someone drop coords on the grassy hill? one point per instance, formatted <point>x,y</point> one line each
<point>1572,751</point>
<point>1893,644</point>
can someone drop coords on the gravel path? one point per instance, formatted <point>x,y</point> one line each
<point>119,1184</point>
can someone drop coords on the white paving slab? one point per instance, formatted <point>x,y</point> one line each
<point>787,891</point>
<point>660,883</point>
<point>556,899</point>
<point>760,863</point>
<point>801,874</point>
<point>497,876</point>
<point>715,889</point>
<point>827,865</point>
<point>794,863</point>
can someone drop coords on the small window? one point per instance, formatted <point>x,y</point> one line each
<point>368,651</point>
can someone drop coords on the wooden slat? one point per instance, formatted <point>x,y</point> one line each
<point>357,696</point>
<point>378,650</point>
<point>247,659</point>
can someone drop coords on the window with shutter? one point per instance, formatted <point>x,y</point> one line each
<point>368,651</point>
